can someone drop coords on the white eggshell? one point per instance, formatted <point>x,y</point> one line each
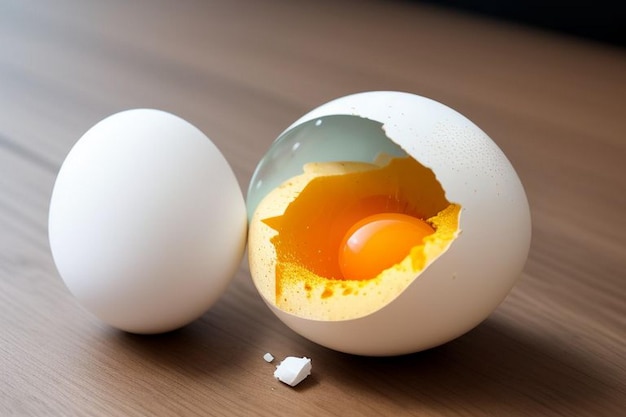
<point>467,282</point>
<point>147,222</point>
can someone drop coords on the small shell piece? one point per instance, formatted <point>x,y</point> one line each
<point>293,370</point>
<point>268,357</point>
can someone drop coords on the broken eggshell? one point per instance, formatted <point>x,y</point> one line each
<point>465,283</point>
<point>293,370</point>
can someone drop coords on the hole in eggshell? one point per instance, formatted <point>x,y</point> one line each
<point>320,205</point>
<point>313,225</point>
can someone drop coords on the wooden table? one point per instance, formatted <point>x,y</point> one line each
<point>242,72</point>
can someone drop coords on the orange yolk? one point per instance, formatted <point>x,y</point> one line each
<point>378,242</point>
<point>343,239</point>
<point>329,243</point>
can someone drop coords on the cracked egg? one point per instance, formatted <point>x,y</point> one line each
<point>385,223</point>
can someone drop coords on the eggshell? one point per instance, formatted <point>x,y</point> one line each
<point>147,222</point>
<point>468,281</point>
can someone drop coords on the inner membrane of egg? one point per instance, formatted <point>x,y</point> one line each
<point>298,229</point>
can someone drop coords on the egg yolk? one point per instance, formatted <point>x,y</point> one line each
<point>343,239</point>
<point>378,242</point>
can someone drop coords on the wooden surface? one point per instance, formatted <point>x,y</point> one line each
<point>243,71</point>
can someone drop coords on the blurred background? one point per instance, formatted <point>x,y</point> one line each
<point>601,21</point>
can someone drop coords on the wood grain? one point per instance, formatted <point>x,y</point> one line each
<point>242,72</point>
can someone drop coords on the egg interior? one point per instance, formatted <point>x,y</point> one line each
<point>298,229</point>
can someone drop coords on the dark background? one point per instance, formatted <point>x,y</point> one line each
<point>600,21</point>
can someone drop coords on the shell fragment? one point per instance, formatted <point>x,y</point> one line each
<point>292,370</point>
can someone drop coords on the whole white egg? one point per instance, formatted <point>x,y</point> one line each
<point>440,290</point>
<point>147,222</point>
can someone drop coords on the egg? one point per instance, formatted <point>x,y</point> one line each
<point>385,223</point>
<point>147,223</point>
